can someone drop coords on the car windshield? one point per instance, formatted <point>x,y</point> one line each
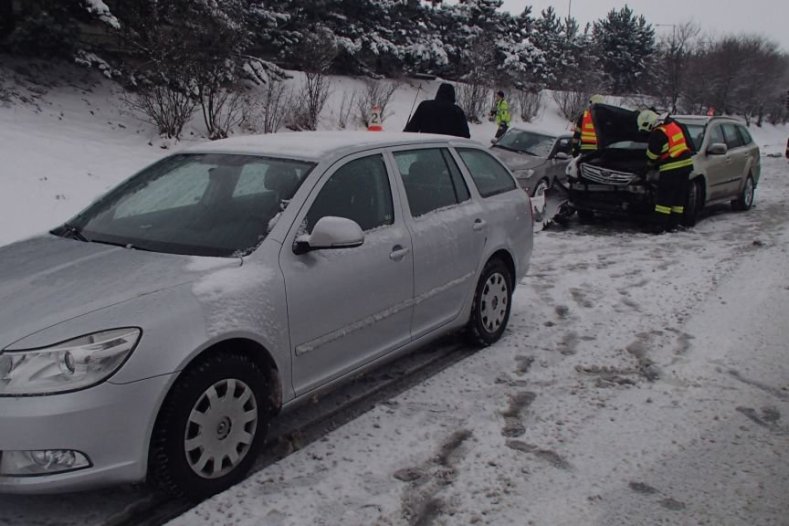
<point>196,204</point>
<point>527,142</point>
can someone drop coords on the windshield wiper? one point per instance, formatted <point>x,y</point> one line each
<point>129,246</point>
<point>72,231</point>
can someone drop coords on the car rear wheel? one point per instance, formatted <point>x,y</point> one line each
<point>745,200</point>
<point>694,203</point>
<point>538,200</point>
<point>210,427</point>
<point>490,311</point>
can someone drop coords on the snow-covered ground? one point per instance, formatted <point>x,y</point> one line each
<point>643,379</point>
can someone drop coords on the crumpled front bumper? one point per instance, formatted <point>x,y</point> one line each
<point>633,199</point>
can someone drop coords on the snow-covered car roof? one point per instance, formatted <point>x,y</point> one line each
<point>319,145</point>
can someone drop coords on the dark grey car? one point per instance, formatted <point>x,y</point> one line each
<point>536,158</point>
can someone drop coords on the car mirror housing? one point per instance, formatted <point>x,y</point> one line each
<point>330,232</point>
<point>717,148</point>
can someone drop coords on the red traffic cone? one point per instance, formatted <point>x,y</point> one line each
<point>375,119</point>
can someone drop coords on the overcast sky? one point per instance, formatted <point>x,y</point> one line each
<point>766,17</point>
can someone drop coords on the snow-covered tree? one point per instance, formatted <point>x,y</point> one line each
<point>625,46</point>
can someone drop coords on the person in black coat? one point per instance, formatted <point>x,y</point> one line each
<point>440,115</point>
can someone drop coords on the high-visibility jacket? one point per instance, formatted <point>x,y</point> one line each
<point>588,132</point>
<point>668,147</point>
<point>502,113</point>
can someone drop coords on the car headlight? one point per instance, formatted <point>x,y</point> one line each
<point>68,366</point>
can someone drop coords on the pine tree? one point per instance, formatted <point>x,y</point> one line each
<point>625,44</point>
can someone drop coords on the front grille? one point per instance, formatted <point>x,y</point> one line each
<point>606,176</point>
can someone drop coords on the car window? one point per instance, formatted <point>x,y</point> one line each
<point>716,135</point>
<point>745,134</point>
<point>488,174</point>
<point>696,135</point>
<point>359,191</point>
<point>253,178</point>
<point>185,186</point>
<point>431,179</point>
<point>733,139</point>
<point>194,204</point>
<point>527,142</point>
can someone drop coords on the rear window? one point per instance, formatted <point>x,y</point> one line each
<point>488,174</point>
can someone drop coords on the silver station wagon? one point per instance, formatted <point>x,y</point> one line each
<point>155,335</point>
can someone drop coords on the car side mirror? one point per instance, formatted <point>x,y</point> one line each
<point>561,156</point>
<point>330,232</point>
<point>717,148</point>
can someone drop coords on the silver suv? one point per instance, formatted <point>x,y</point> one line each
<point>156,333</point>
<point>614,180</point>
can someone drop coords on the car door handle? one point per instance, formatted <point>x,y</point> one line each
<point>479,224</point>
<point>398,253</point>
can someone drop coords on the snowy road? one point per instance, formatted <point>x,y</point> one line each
<point>643,380</point>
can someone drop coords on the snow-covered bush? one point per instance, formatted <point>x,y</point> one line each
<point>528,102</point>
<point>167,107</point>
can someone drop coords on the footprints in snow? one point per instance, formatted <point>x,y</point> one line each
<point>420,504</point>
<point>669,503</point>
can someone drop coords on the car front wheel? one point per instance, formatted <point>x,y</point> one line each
<point>210,427</point>
<point>492,302</point>
<point>745,200</point>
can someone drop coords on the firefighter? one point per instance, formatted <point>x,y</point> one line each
<point>501,113</point>
<point>585,136</point>
<point>667,148</point>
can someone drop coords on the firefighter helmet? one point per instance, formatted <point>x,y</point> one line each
<point>647,120</point>
<point>596,99</point>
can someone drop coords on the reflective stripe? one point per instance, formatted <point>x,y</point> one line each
<point>660,209</point>
<point>678,209</point>
<point>676,165</point>
<point>677,146</point>
<point>652,156</point>
<point>588,132</point>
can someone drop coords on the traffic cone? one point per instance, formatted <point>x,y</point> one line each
<point>375,119</point>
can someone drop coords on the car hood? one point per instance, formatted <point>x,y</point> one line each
<point>614,124</point>
<point>48,280</point>
<point>518,161</point>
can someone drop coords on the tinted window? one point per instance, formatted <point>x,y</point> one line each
<point>745,134</point>
<point>360,191</point>
<point>489,175</point>
<point>733,139</point>
<point>431,178</point>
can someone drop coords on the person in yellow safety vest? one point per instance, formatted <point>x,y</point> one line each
<point>667,148</point>
<point>585,135</point>
<point>501,113</point>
